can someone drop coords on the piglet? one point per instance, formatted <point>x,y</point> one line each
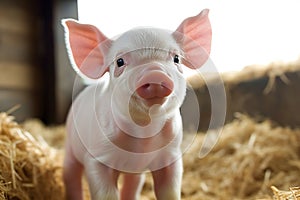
<point>129,122</point>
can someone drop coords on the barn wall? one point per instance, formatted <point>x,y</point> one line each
<point>34,69</point>
<point>20,73</point>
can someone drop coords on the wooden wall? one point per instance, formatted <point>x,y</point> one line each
<point>32,55</point>
<point>20,74</point>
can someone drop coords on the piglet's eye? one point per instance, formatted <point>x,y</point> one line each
<point>176,59</point>
<point>120,62</point>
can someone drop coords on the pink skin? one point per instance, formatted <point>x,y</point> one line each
<point>154,87</point>
<point>130,122</point>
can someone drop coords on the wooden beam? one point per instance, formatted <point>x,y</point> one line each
<point>20,76</point>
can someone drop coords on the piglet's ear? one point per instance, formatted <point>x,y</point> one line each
<point>85,52</point>
<point>194,36</point>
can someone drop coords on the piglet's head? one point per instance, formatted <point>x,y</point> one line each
<point>88,47</point>
<point>145,63</point>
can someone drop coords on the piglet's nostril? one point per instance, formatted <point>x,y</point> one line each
<point>146,86</point>
<point>149,91</point>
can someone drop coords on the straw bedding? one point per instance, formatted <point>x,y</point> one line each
<point>252,160</point>
<point>29,167</point>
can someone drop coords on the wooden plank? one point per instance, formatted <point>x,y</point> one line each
<point>16,47</point>
<point>19,76</point>
<point>15,17</point>
<point>17,32</point>
<point>30,103</point>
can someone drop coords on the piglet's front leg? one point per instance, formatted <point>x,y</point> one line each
<point>102,180</point>
<point>132,186</point>
<point>167,181</point>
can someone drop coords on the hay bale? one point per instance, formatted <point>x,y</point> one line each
<point>270,91</point>
<point>249,158</point>
<point>54,136</point>
<point>29,169</point>
<point>250,161</point>
<point>293,193</point>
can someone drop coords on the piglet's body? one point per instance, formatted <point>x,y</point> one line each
<point>129,122</point>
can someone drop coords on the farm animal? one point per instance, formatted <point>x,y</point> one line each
<point>129,122</point>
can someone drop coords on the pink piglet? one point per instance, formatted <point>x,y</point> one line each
<point>129,122</point>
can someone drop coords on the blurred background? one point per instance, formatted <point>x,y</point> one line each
<point>34,68</point>
<point>35,71</point>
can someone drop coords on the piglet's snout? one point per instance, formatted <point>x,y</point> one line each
<point>154,84</point>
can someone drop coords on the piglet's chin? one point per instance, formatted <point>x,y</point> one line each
<point>154,101</point>
<point>142,111</point>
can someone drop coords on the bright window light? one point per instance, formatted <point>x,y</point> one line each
<point>244,32</point>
